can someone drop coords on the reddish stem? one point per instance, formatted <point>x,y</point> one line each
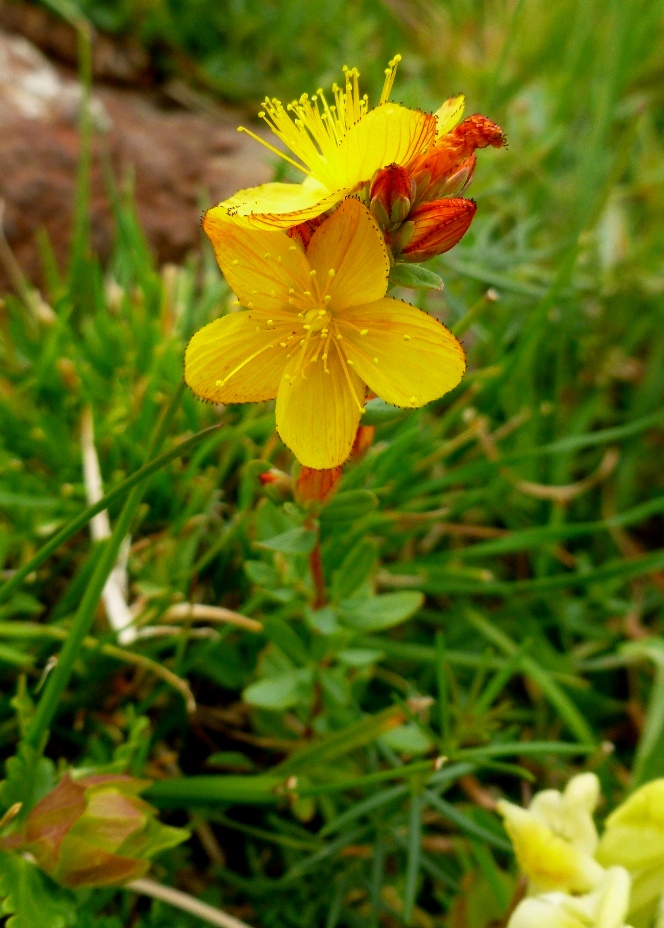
<point>316,566</point>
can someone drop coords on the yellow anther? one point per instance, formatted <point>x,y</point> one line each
<point>349,361</point>
<point>312,273</point>
<point>322,312</point>
<point>306,327</point>
<point>406,338</point>
<point>413,399</point>
<point>339,335</point>
<point>270,322</point>
<point>234,262</point>
<point>219,383</point>
<point>327,299</point>
<point>292,247</point>
<point>283,344</point>
<point>291,290</point>
<point>267,255</point>
<point>375,360</point>
<point>364,331</point>
<point>331,272</point>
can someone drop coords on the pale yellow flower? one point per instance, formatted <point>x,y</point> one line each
<point>604,907</point>
<point>634,838</point>
<point>555,838</point>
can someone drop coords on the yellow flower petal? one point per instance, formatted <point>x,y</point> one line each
<point>317,412</point>
<point>404,355</point>
<point>277,206</point>
<point>634,832</point>
<point>449,114</point>
<point>350,244</point>
<point>389,134</point>
<point>238,358</point>
<point>548,860</point>
<point>261,268</point>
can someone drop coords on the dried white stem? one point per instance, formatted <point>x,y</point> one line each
<point>198,611</point>
<point>115,590</point>
<point>186,902</point>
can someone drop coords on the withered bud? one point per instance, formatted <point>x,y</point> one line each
<point>434,172</point>
<point>391,196</point>
<point>94,831</point>
<point>437,227</point>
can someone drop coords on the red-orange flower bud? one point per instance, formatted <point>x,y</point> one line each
<point>303,232</point>
<point>317,485</point>
<point>437,227</point>
<point>94,831</point>
<point>363,440</point>
<point>391,195</point>
<point>434,172</point>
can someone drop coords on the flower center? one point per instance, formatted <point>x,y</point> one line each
<point>316,320</point>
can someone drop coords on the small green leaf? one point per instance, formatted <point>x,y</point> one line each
<point>31,898</point>
<point>407,739</point>
<point>377,412</point>
<point>261,574</point>
<point>359,657</point>
<point>28,778</point>
<point>283,691</point>
<point>285,637</point>
<point>349,507</point>
<point>379,612</point>
<point>414,277</point>
<point>356,567</point>
<point>294,541</point>
<point>231,760</point>
<point>323,620</point>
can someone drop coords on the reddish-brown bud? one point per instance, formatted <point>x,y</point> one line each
<point>95,831</point>
<point>479,132</point>
<point>317,485</point>
<point>363,440</point>
<point>303,232</point>
<point>391,195</point>
<point>437,227</point>
<point>435,171</point>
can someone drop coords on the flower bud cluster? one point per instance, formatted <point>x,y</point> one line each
<point>576,879</point>
<point>418,205</point>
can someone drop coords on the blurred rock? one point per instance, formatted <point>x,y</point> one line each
<point>180,160</point>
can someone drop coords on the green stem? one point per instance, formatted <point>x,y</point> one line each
<point>59,678</point>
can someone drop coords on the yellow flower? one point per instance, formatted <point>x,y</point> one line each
<point>555,838</point>
<point>634,838</point>
<point>605,907</point>
<point>339,145</point>
<point>317,330</point>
